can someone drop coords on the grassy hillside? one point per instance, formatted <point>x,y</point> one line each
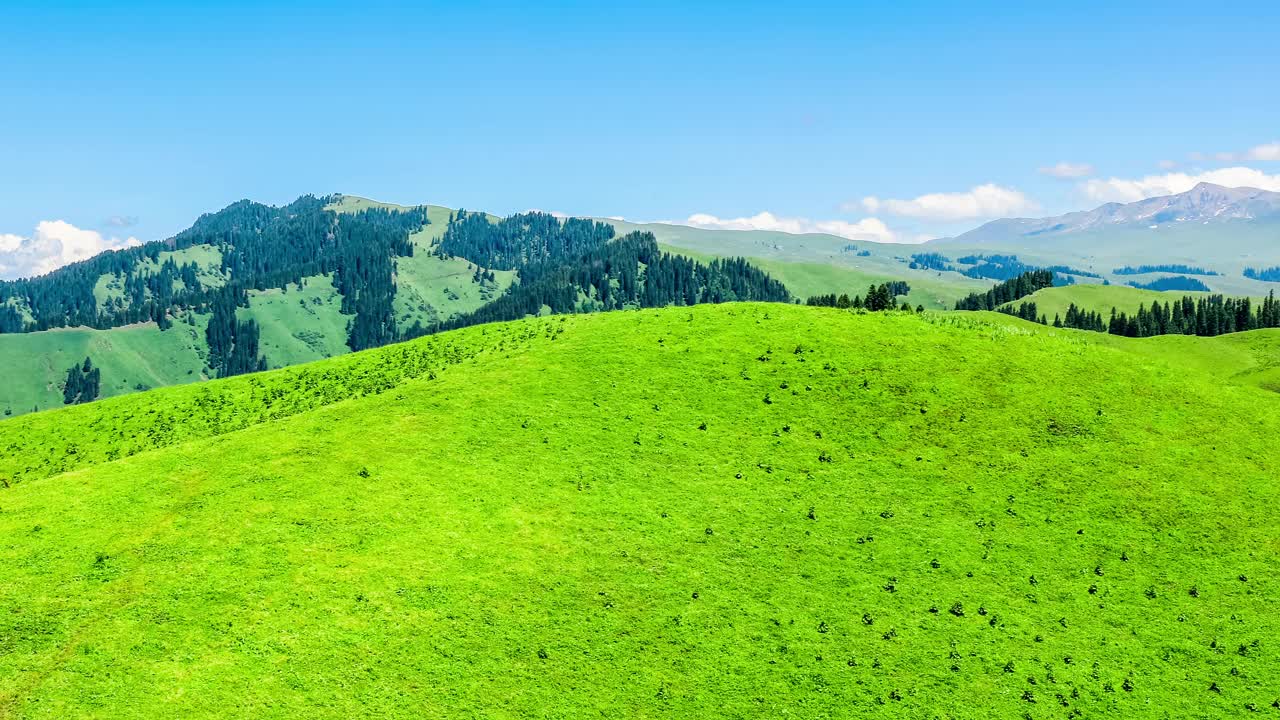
<point>1225,248</point>
<point>817,264</point>
<point>739,510</point>
<point>1098,298</point>
<point>206,257</point>
<point>1248,358</point>
<point>1244,358</point>
<point>805,279</point>
<point>298,323</point>
<point>1227,251</point>
<point>131,358</point>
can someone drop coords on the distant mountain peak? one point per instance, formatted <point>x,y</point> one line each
<point>1207,190</point>
<point>1205,203</point>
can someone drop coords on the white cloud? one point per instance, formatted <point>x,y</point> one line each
<point>1068,171</point>
<point>1269,151</point>
<point>53,244</point>
<point>869,229</point>
<point>1125,190</point>
<point>1167,164</point>
<point>988,200</point>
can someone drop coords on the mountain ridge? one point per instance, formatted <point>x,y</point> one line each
<point>1206,202</point>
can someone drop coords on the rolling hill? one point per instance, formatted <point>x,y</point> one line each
<point>253,286</point>
<point>1220,229</point>
<point>321,276</point>
<point>1099,298</point>
<point>815,263</point>
<point>741,510</point>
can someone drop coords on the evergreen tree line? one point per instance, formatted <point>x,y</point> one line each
<point>66,297</point>
<point>82,384</point>
<point>1024,310</point>
<point>1077,318</point>
<point>1204,316</point>
<point>365,272</point>
<point>630,272</point>
<point>930,261</point>
<point>993,267</point>
<point>1007,291</point>
<point>520,240</point>
<point>11,321</point>
<point>1177,268</point>
<point>233,345</point>
<point>261,246</point>
<point>1180,282</point>
<point>1271,274</point>
<point>1008,267</point>
<point>1081,319</point>
<point>878,297</point>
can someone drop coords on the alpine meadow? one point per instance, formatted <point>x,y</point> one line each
<point>916,361</point>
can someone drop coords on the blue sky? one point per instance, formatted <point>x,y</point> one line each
<point>131,119</point>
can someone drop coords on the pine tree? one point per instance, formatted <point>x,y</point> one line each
<point>82,384</point>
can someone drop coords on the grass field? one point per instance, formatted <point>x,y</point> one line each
<point>735,511</point>
<point>1249,358</point>
<point>1244,358</point>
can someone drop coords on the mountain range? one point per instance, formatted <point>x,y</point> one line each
<point>253,286</point>
<point>1206,203</point>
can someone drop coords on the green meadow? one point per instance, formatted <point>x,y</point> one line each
<point>132,358</point>
<point>1099,298</point>
<point>744,510</point>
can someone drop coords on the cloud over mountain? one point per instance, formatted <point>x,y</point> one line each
<point>54,243</point>
<point>984,201</point>
<point>1132,190</point>
<point>870,229</point>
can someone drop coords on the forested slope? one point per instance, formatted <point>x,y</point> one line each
<point>253,286</point>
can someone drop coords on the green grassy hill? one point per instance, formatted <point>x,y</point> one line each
<point>742,510</point>
<point>1244,358</point>
<point>301,320</point>
<point>1098,298</point>
<point>131,358</point>
<point>299,323</point>
<point>818,264</point>
<point>1225,248</point>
